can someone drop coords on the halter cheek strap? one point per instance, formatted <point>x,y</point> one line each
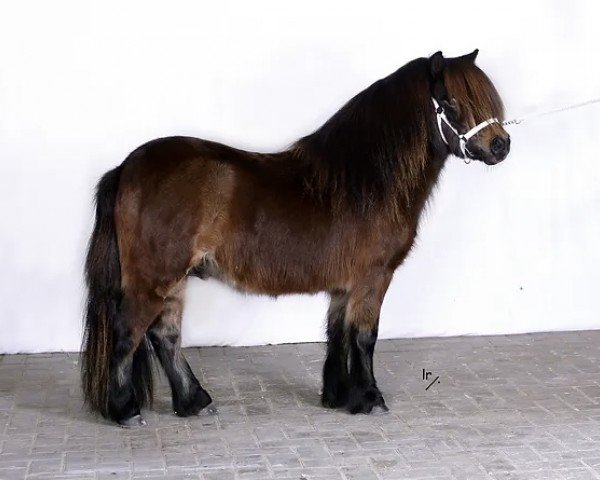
<point>462,138</point>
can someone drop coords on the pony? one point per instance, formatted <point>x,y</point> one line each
<point>336,212</point>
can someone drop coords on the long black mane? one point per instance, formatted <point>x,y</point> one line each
<point>380,135</point>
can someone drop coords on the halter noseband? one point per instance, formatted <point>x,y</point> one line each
<point>465,137</point>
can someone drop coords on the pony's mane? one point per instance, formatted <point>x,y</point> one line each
<point>375,149</point>
<point>375,146</point>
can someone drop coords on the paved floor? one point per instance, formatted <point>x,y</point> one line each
<point>507,407</point>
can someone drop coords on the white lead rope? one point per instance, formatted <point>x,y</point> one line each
<point>516,121</point>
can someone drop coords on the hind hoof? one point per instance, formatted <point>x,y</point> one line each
<point>208,411</point>
<point>193,405</point>
<point>135,421</point>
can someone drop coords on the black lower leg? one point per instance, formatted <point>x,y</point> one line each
<point>122,402</point>
<point>335,369</point>
<point>364,393</point>
<point>188,395</point>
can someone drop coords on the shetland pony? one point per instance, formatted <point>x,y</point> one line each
<point>337,212</point>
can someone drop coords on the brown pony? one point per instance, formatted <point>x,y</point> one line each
<point>337,212</point>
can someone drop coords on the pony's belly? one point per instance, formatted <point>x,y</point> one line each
<point>255,279</point>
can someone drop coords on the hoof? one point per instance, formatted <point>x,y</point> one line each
<point>135,421</point>
<point>199,400</point>
<point>335,397</point>
<point>366,401</point>
<point>380,409</point>
<point>208,411</point>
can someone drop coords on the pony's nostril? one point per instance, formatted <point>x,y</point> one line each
<point>498,146</point>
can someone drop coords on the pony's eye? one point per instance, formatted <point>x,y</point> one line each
<point>452,111</point>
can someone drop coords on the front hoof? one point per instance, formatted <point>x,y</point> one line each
<point>135,421</point>
<point>381,409</point>
<point>194,404</point>
<point>366,400</point>
<point>335,397</point>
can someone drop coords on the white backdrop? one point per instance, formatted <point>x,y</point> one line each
<point>512,248</point>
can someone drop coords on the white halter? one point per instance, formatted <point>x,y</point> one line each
<point>464,138</point>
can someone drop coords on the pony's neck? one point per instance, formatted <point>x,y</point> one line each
<point>380,150</point>
<point>416,183</point>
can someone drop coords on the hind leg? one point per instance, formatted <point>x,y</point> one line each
<point>130,381</point>
<point>188,395</point>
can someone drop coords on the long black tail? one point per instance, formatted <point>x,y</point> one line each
<point>102,318</point>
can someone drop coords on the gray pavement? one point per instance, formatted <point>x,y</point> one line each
<point>504,407</point>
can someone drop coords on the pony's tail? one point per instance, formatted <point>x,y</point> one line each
<point>103,319</point>
<point>103,279</point>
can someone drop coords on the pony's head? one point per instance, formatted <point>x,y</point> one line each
<point>468,108</point>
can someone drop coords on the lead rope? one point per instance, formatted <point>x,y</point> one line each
<point>516,121</point>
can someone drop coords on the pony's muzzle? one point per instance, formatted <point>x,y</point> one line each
<point>499,147</point>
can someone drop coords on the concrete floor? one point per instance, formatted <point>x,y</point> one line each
<point>525,406</point>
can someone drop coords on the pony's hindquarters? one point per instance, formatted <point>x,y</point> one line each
<point>137,262</point>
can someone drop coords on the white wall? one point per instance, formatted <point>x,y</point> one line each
<point>513,248</point>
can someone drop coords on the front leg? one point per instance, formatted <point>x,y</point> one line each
<point>335,370</point>
<point>364,395</point>
<point>362,320</point>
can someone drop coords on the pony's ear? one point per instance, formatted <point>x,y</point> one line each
<point>472,56</point>
<point>437,62</point>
